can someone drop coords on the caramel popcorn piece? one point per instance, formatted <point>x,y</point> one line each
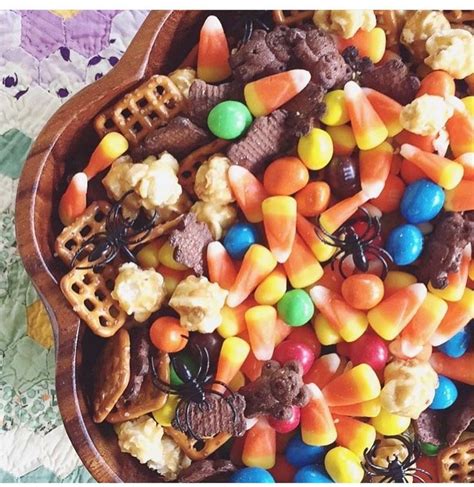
<point>183,78</point>
<point>217,217</point>
<point>345,22</point>
<point>211,184</point>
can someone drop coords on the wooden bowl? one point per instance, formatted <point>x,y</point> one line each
<point>62,148</point>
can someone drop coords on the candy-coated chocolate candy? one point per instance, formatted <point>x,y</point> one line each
<point>286,425</point>
<point>404,244</point>
<point>168,335</point>
<point>166,256</point>
<point>313,198</point>
<point>291,350</point>
<point>148,256</point>
<point>336,112</point>
<point>429,449</point>
<point>445,394</point>
<point>311,474</point>
<point>189,361</point>
<point>229,119</point>
<point>295,308</point>
<point>389,424</point>
<point>239,238</point>
<point>422,201</point>
<point>343,466</point>
<point>300,454</point>
<point>285,176</point>
<point>272,288</point>
<point>212,342</point>
<point>251,475</point>
<point>315,149</point>
<point>362,291</point>
<point>305,334</point>
<point>165,415</point>
<point>342,174</point>
<point>457,345</point>
<point>369,349</point>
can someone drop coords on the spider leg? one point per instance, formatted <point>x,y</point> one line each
<point>419,470</point>
<point>226,387</point>
<point>158,383</point>
<point>328,238</point>
<point>204,363</point>
<point>417,477</point>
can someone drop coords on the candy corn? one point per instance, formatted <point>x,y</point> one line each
<point>257,264</point>
<point>423,142</point>
<point>343,140</point>
<point>396,280</point>
<point>369,130</point>
<point>233,353</point>
<point>358,384</point>
<point>317,425</point>
<point>366,409</point>
<point>261,324</point>
<point>171,277</point>
<point>460,128</point>
<point>422,326</point>
<point>112,146</point>
<point>302,267</point>
<point>272,288</point>
<point>349,322</point>
<point>282,330</point>
<point>252,368</point>
<point>391,316</point>
<point>213,52</point>
<point>460,198</point>
<point>467,161</point>
<point>326,333</point>
<point>456,280</point>
<point>325,369</point>
<point>220,265</point>
<point>260,445</point>
<point>74,200</point>
<point>307,231</point>
<point>354,434</point>
<point>332,218</point>
<point>460,369</point>
<point>374,167</point>
<point>248,191</point>
<point>387,109</point>
<point>233,319</point>
<point>265,95</point>
<point>442,171</point>
<point>279,220</point>
<point>371,44</point>
<point>458,315</point>
<point>437,83</point>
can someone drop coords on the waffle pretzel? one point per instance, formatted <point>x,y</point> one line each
<point>189,445</point>
<point>111,375</point>
<point>291,17</point>
<point>151,105</point>
<point>90,297</point>
<point>190,164</point>
<point>456,464</point>
<point>149,399</point>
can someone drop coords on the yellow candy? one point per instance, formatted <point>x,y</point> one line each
<point>343,466</point>
<point>315,149</point>
<point>469,104</point>
<point>343,139</point>
<point>237,382</point>
<point>396,280</point>
<point>390,424</point>
<point>355,435</point>
<point>326,334</point>
<point>165,415</point>
<point>336,113</point>
<point>272,288</point>
<point>148,257</point>
<point>232,323</point>
<point>166,257</point>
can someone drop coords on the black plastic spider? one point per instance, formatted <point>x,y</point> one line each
<point>194,389</point>
<point>396,471</point>
<point>251,19</point>
<point>120,233</point>
<point>349,243</point>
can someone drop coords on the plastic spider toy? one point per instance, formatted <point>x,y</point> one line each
<point>201,411</point>
<point>396,470</point>
<point>359,247</point>
<point>120,233</point>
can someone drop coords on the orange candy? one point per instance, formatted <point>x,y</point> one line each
<point>391,195</point>
<point>285,176</point>
<point>325,369</point>
<point>460,198</point>
<point>387,109</point>
<point>460,369</point>
<point>260,445</point>
<point>423,142</point>
<point>410,172</point>
<point>168,335</point>
<point>374,168</point>
<point>220,265</point>
<point>467,162</point>
<point>363,291</point>
<point>74,200</point>
<point>313,198</point>
<point>460,128</point>
<point>437,83</point>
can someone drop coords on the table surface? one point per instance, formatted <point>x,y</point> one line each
<point>45,57</point>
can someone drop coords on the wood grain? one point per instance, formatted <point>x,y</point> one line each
<point>62,148</point>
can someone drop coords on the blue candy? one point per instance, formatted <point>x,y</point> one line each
<point>445,394</point>
<point>404,244</point>
<point>312,474</point>
<point>249,475</point>
<point>300,454</point>
<point>239,238</point>
<point>421,201</point>
<point>457,345</point>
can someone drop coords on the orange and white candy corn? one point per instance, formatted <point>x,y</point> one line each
<point>261,327</point>
<point>220,265</point>
<point>460,198</point>
<point>112,146</point>
<point>233,353</point>
<point>73,202</point>
<point>460,128</point>
<point>325,369</point>
<point>366,409</point>
<point>374,168</point>
<point>460,369</point>
<point>353,434</point>
<point>467,162</point>
<point>265,95</point>
<point>213,52</point>
<point>371,44</point>
<point>260,445</point>
<point>307,231</point>
<point>387,109</point>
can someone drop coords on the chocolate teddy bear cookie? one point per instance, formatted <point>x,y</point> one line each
<point>276,390</point>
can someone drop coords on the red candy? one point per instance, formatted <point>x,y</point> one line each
<point>305,334</point>
<point>286,425</point>
<point>290,350</point>
<point>369,349</point>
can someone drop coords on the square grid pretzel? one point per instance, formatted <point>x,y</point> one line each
<point>456,464</point>
<point>151,105</point>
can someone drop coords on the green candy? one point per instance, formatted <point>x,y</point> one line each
<point>229,119</point>
<point>429,449</point>
<point>187,360</point>
<point>295,308</point>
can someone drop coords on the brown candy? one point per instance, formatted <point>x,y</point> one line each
<point>276,390</point>
<point>207,470</point>
<point>342,174</point>
<point>190,240</point>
